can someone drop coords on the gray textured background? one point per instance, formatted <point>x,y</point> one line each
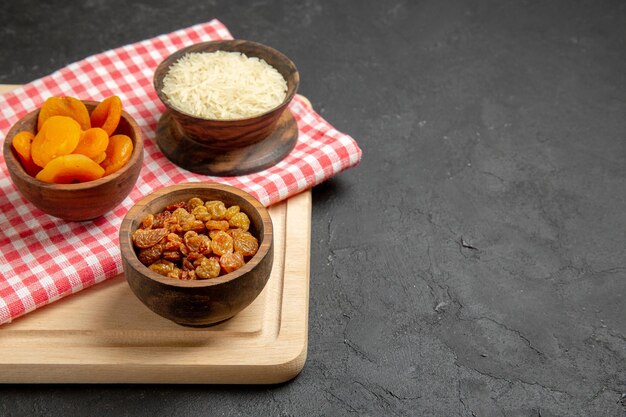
<point>495,124</point>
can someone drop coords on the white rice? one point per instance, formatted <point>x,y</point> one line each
<point>223,85</point>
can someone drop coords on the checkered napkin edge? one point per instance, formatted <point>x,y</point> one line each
<point>43,259</point>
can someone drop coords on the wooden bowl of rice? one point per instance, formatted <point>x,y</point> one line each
<point>224,99</point>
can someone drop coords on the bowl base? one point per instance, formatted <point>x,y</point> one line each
<point>196,157</point>
<point>201,326</point>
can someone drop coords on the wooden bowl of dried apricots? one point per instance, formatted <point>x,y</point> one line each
<point>197,253</point>
<point>75,160</point>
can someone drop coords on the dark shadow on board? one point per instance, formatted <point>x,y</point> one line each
<point>324,193</point>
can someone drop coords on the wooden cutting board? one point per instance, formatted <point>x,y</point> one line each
<point>105,335</point>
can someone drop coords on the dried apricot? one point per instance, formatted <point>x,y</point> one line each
<point>92,143</point>
<point>98,159</point>
<point>107,114</point>
<point>117,154</point>
<point>64,106</point>
<point>22,143</point>
<point>58,136</point>
<point>69,169</point>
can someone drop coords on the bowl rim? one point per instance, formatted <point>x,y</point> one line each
<point>164,65</point>
<point>15,167</point>
<point>126,246</point>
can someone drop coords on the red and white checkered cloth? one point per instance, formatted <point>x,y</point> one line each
<point>43,259</point>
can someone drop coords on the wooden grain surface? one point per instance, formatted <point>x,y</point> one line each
<point>105,335</point>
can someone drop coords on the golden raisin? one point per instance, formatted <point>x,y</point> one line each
<point>174,206</point>
<point>201,213</point>
<point>187,221</point>
<point>231,211</point>
<point>246,244</point>
<point>216,209</point>
<point>217,225</point>
<point>144,238</point>
<point>187,275</point>
<point>176,273</point>
<point>172,256</point>
<point>222,243</point>
<point>195,240</point>
<point>173,242</point>
<point>208,268</point>
<point>205,249</point>
<point>241,221</point>
<point>147,222</point>
<point>231,261</point>
<point>193,203</point>
<point>148,256</point>
<point>162,267</point>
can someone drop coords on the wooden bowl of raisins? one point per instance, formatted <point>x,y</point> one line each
<point>73,186</point>
<point>197,253</point>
